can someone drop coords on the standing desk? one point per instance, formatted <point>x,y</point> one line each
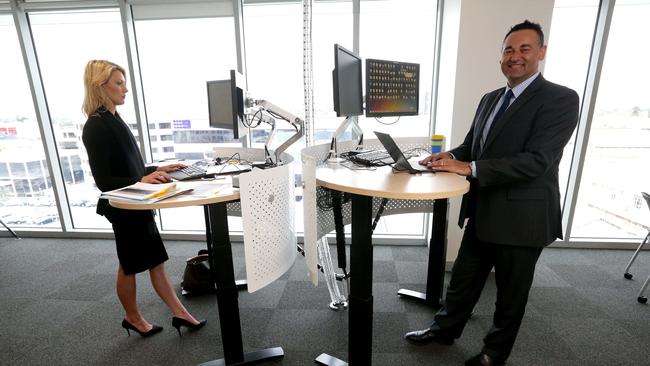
<point>221,265</point>
<point>363,185</point>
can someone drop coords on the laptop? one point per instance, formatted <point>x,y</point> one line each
<point>401,163</point>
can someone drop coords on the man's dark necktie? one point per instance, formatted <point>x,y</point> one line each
<point>502,109</point>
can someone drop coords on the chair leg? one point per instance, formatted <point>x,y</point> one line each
<point>627,273</point>
<point>9,229</point>
<point>642,299</point>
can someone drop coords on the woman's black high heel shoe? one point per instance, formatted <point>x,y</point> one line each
<point>180,322</point>
<point>128,326</point>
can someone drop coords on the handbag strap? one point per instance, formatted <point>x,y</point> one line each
<point>197,259</point>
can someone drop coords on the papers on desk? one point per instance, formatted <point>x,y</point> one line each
<point>207,190</point>
<point>145,192</point>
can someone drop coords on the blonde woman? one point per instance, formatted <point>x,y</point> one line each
<point>115,162</point>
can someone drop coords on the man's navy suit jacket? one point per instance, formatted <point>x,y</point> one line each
<point>515,198</point>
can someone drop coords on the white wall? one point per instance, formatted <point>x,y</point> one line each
<point>474,29</point>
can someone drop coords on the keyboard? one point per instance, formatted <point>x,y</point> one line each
<point>375,157</point>
<point>189,172</point>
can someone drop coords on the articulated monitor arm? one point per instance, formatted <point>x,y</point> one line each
<point>356,132</point>
<point>297,123</point>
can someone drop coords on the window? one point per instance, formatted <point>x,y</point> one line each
<point>400,30</point>
<point>571,33</point>
<point>324,37</point>
<point>175,89</point>
<point>618,155</point>
<point>80,36</point>
<point>21,202</point>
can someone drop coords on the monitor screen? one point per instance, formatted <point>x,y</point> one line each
<point>347,83</point>
<point>392,88</point>
<point>226,104</point>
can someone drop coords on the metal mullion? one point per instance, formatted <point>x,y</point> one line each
<point>42,114</point>
<point>135,75</point>
<point>66,5</point>
<point>599,45</point>
<point>240,46</point>
<point>428,217</point>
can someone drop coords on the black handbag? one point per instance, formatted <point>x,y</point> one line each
<point>197,278</point>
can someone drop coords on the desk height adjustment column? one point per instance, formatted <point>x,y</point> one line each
<point>437,259</point>
<point>221,266</point>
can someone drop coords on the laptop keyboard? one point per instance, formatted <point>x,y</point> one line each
<point>373,157</point>
<point>189,172</point>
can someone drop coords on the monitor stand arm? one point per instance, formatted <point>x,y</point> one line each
<point>356,131</point>
<point>297,123</point>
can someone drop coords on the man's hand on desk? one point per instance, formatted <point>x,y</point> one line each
<point>444,162</point>
<point>434,157</point>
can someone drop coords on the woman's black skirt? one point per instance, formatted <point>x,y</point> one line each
<point>138,242</point>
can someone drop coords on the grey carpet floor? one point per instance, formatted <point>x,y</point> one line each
<point>59,307</point>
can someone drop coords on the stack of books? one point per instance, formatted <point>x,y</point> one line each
<point>145,192</point>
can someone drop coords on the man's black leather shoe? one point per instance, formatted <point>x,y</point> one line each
<point>483,360</point>
<point>426,336</point>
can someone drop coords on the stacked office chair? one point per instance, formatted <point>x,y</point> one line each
<point>642,299</point>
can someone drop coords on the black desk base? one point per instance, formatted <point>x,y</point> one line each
<point>241,285</point>
<point>360,299</point>
<point>437,260</point>
<point>251,358</point>
<point>327,360</point>
<point>221,267</point>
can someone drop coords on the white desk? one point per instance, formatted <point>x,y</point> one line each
<point>383,183</point>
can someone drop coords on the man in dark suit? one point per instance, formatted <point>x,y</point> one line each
<point>511,156</point>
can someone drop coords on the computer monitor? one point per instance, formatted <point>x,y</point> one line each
<point>392,88</point>
<point>347,83</point>
<point>226,104</point>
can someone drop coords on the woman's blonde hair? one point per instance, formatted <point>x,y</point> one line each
<point>96,75</point>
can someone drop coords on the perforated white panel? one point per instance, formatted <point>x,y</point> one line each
<point>267,202</point>
<point>309,216</point>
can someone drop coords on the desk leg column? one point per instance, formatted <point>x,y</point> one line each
<point>227,293</point>
<point>224,276</point>
<point>437,254</point>
<point>360,317</point>
<point>437,259</point>
<point>360,301</point>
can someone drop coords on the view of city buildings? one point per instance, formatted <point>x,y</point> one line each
<point>42,165</point>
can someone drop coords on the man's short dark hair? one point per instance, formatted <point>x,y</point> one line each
<point>528,25</point>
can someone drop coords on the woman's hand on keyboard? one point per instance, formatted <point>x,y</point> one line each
<point>170,167</point>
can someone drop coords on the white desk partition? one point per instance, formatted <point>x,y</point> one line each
<point>267,200</point>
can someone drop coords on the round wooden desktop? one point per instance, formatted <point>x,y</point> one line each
<point>382,182</point>
<point>226,194</point>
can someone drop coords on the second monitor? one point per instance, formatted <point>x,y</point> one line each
<point>392,88</point>
<point>347,84</point>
